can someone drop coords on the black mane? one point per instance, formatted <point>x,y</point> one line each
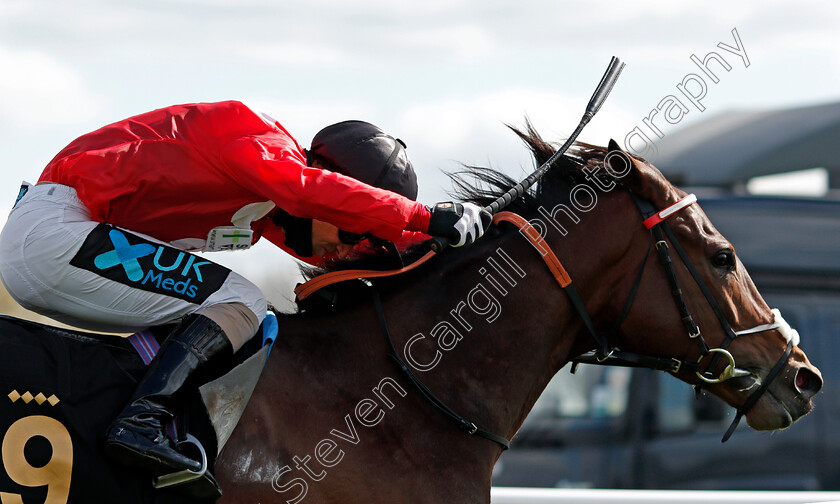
<point>483,185</point>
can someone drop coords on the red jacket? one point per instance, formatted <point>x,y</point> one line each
<point>178,172</point>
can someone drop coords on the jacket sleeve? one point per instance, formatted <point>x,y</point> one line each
<point>270,165</point>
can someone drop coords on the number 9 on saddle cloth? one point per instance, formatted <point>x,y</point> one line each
<point>62,388</point>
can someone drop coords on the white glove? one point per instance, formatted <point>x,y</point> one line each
<point>464,222</point>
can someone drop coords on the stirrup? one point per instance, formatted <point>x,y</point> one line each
<point>187,475</point>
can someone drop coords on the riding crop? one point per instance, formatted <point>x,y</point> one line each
<point>598,98</point>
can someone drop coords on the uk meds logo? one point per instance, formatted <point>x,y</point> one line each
<point>125,255</point>
<point>135,261</point>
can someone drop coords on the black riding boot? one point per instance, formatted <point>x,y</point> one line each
<point>137,438</point>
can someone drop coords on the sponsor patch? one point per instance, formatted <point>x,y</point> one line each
<point>228,238</point>
<point>134,261</point>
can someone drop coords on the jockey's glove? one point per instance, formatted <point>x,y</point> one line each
<point>460,223</point>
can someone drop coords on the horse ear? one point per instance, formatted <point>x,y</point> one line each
<point>640,177</point>
<point>618,161</point>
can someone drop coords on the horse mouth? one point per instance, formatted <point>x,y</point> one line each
<point>787,399</point>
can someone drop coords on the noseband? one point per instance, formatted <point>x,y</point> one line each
<point>655,221</point>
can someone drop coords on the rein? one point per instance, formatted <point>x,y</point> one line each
<point>304,290</point>
<point>656,222</point>
<point>604,354</point>
<point>560,275</point>
<point>469,426</point>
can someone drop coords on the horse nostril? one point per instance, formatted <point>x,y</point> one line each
<point>807,382</point>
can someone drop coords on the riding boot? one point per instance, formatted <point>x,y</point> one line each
<point>136,438</point>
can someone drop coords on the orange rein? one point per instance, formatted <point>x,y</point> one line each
<point>304,290</point>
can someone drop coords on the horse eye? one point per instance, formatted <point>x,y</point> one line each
<point>724,259</point>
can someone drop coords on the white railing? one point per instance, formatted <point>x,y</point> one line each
<point>502,495</point>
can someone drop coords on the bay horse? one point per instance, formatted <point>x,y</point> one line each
<point>486,326</point>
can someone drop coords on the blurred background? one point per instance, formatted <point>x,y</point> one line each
<point>443,75</point>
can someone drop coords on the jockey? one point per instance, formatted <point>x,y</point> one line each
<point>103,241</point>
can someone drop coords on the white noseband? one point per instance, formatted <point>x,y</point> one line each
<point>788,333</point>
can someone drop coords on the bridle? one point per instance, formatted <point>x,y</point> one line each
<point>655,221</point>
<point>604,354</point>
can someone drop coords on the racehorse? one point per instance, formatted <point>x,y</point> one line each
<point>485,327</point>
<point>476,334</point>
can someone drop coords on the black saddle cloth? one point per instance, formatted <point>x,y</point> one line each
<point>59,390</point>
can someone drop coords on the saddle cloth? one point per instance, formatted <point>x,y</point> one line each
<point>60,389</point>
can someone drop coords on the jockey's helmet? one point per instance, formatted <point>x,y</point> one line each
<point>363,151</point>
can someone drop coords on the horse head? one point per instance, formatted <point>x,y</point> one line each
<point>706,314</point>
<point>730,314</point>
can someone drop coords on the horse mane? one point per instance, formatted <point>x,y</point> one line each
<point>483,185</point>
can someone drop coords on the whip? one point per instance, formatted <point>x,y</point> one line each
<point>598,97</point>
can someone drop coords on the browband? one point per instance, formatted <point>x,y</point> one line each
<point>669,211</point>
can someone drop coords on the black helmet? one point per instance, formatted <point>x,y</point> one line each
<point>361,150</point>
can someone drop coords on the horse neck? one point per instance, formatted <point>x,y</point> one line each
<point>484,327</point>
<point>501,324</point>
<point>489,328</point>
